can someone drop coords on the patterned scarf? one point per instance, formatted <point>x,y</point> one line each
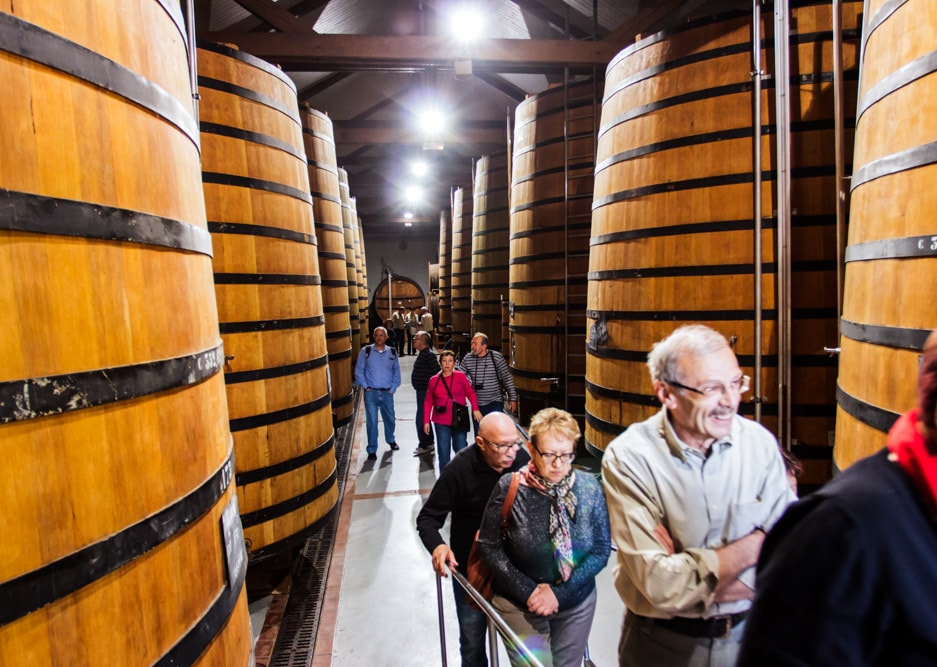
<point>562,511</point>
<point>909,448</point>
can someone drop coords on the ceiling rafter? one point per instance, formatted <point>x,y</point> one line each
<point>322,85</point>
<point>279,18</point>
<point>503,85</point>
<point>625,33</point>
<point>330,53</point>
<point>555,21</point>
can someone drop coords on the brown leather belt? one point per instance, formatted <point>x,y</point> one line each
<point>709,628</point>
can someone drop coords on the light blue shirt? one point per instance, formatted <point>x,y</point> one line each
<point>378,370</point>
<point>651,477</point>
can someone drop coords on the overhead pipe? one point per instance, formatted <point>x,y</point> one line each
<point>193,64</point>
<point>782,86</point>
<point>756,74</point>
<point>838,132</point>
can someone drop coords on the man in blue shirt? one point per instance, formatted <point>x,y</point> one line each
<point>378,374</point>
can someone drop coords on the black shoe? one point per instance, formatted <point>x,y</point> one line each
<point>394,446</point>
<point>372,456</point>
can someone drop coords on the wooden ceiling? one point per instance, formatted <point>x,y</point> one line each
<point>372,65</point>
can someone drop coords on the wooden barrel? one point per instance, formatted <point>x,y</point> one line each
<point>361,274</point>
<point>405,292</point>
<point>672,227</point>
<point>443,319</point>
<point>460,276</point>
<point>551,219</point>
<point>267,284</point>
<point>490,225</point>
<point>121,539</point>
<point>891,258</point>
<point>319,142</point>
<point>348,227</point>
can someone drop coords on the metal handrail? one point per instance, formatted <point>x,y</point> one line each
<point>495,623</point>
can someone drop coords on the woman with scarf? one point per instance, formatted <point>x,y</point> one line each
<point>554,543</point>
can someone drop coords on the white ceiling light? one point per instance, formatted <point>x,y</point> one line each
<point>467,23</point>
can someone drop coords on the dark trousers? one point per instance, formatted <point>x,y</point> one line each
<point>400,341</point>
<point>425,440</point>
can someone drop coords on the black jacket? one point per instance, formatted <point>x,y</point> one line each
<point>425,366</point>
<point>463,489</point>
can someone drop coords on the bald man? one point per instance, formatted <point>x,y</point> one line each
<point>462,490</point>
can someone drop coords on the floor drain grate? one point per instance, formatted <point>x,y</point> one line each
<point>297,635</point>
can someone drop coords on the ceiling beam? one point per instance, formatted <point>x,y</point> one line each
<point>554,20</point>
<point>503,86</point>
<point>625,33</point>
<point>276,16</point>
<point>330,53</point>
<point>370,135</point>
<point>398,132</point>
<point>322,85</point>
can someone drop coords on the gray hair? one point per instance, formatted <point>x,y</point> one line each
<point>694,340</point>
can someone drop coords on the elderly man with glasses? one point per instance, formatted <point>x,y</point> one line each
<point>691,492</point>
<point>462,490</point>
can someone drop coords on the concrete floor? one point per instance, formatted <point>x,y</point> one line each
<point>380,606</point>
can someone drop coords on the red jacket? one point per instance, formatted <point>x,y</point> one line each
<point>438,397</point>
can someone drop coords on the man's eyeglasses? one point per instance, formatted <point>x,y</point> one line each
<point>550,457</point>
<point>737,386</point>
<point>502,445</point>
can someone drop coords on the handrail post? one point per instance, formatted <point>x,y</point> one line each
<point>442,621</point>
<point>493,643</point>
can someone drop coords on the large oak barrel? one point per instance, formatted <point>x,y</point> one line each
<point>319,141</point>
<point>267,284</point>
<point>891,259</point>
<point>551,200</point>
<point>460,277</point>
<point>443,319</point>
<point>349,222</point>
<point>491,226</point>
<point>121,538</point>
<point>672,227</point>
<point>405,292</point>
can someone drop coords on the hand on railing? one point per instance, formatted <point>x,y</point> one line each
<point>496,622</point>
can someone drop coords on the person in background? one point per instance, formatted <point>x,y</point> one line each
<point>413,327</point>
<point>399,322</point>
<point>378,374</point>
<point>445,388</point>
<point>425,366</point>
<point>462,491</point>
<point>794,469</point>
<point>391,335</point>
<point>556,541</point>
<point>426,320</point>
<point>848,576</point>
<point>690,493</point>
<point>490,377</point>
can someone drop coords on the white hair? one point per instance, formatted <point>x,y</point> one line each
<point>694,340</point>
